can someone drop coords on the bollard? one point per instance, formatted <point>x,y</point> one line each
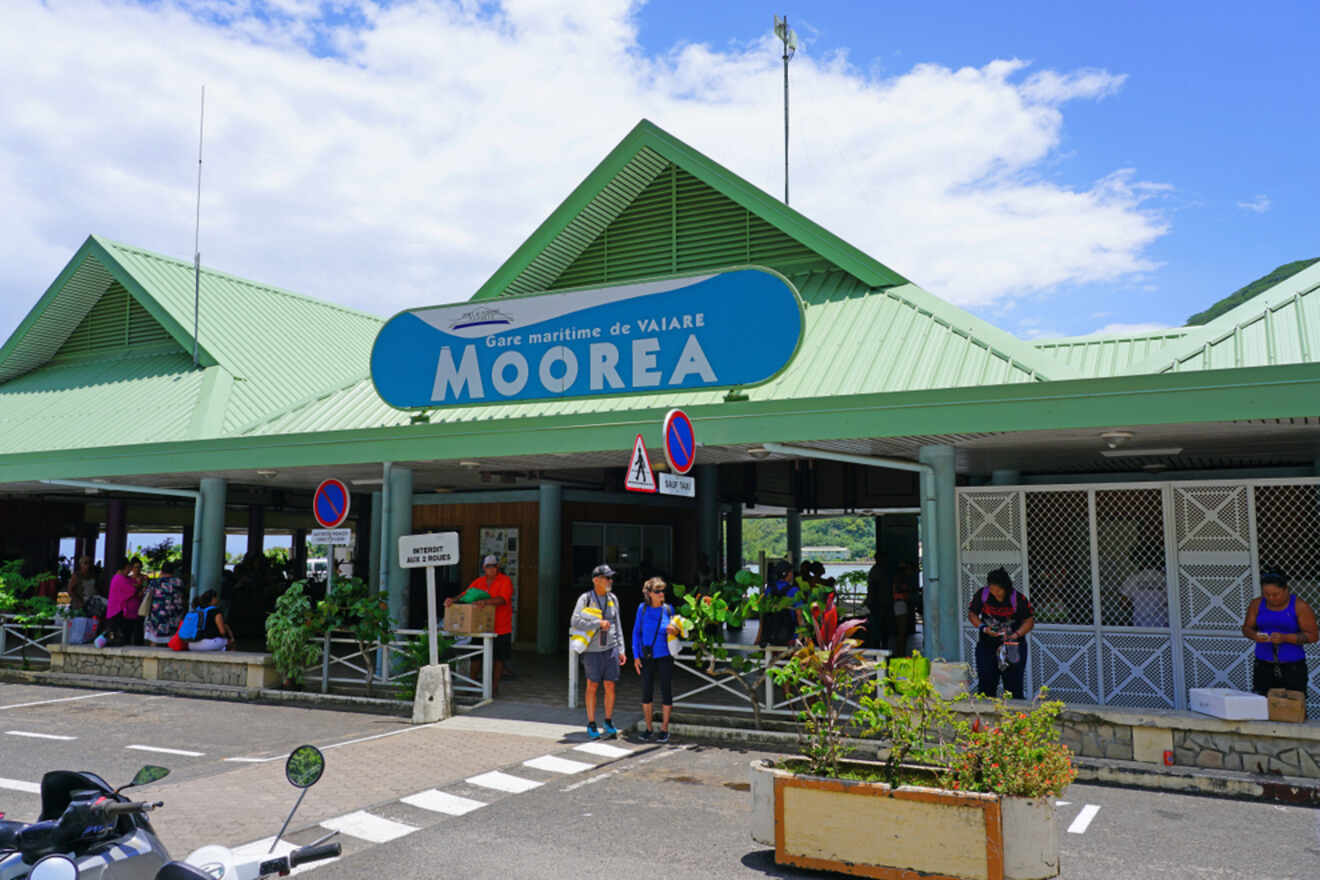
<point>435,694</point>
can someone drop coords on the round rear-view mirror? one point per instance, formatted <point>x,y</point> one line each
<point>305,766</point>
<point>56,867</point>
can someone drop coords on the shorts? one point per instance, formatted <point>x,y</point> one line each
<point>504,647</point>
<point>1293,676</point>
<point>601,665</point>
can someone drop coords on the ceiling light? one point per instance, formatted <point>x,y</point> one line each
<point>267,474</point>
<point>1141,453</point>
<point>1155,467</point>
<point>374,481</point>
<point>1115,439</point>
<point>758,452</point>
<point>470,465</point>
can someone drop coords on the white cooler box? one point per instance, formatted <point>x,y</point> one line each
<point>1230,704</point>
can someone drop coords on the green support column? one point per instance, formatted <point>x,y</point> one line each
<point>793,524</point>
<point>212,554</point>
<point>939,548</point>
<point>708,515</point>
<point>399,518</point>
<point>373,554</point>
<point>549,564</point>
<point>734,539</point>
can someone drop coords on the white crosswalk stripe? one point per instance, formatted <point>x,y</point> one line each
<point>20,785</point>
<point>551,764</point>
<point>365,826</point>
<point>503,782</point>
<point>604,750</point>
<point>31,735</point>
<point>440,802</point>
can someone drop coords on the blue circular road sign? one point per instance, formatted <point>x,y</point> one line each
<point>680,441</point>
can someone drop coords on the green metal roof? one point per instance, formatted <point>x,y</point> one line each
<point>1096,356</point>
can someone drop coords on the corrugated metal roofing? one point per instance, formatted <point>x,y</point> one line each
<point>1098,356</point>
<point>103,402</point>
<point>66,305</point>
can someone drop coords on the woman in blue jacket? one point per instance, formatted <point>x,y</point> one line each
<point>651,632</point>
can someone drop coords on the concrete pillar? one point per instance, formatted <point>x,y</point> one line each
<point>116,535</point>
<point>549,568</point>
<point>939,548</point>
<point>399,518</point>
<point>793,523</point>
<point>212,562</point>
<point>256,532</point>
<point>1004,477</point>
<point>708,515</point>
<point>373,547</point>
<point>187,562</point>
<point>734,540</point>
<point>298,554</point>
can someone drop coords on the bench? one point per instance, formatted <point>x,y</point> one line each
<point>248,669</point>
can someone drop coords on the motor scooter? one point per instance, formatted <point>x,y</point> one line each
<point>213,862</point>
<point>87,823</point>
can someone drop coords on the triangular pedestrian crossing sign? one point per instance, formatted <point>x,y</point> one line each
<point>640,477</point>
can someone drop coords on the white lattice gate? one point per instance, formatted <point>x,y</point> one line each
<point>1140,590</point>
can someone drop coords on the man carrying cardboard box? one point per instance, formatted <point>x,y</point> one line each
<point>498,588</point>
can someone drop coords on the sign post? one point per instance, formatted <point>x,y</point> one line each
<point>428,551</point>
<point>330,505</point>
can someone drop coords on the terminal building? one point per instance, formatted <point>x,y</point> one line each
<point>1076,464</point>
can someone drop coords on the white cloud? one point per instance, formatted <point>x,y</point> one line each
<point>404,170</point>
<point>1121,329</point>
<point>1259,205</point>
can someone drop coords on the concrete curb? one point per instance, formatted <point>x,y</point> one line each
<point>341,702</point>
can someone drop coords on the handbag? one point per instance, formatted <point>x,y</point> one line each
<point>144,607</point>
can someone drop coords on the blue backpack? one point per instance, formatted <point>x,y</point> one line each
<point>194,624</point>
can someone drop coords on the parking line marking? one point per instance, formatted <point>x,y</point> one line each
<point>551,764</point>
<point>503,782</point>
<point>1083,820</point>
<point>20,785</point>
<point>182,752</point>
<point>365,826</point>
<point>60,700</point>
<point>440,802</point>
<point>254,760</point>
<point>604,750</point>
<point>30,735</point>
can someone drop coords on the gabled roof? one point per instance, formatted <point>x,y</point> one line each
<point>1097,356</point>
<point>263,350</point>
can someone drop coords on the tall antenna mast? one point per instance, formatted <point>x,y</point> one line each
<point>197,231</point>
<point>789,39</point>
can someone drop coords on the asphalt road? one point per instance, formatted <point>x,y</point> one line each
<point>682,812</point>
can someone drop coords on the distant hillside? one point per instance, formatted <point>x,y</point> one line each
<point>1241,295</point>
<point>770,534</point>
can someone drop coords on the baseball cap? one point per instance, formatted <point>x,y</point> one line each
<point>490,560</point>
<point>602,570</point>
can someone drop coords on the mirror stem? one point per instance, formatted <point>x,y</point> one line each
<point>285,827</point>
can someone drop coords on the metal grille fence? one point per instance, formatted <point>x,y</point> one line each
<point>1140,591</point>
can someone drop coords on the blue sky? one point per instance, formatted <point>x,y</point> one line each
<point>1057,170</point>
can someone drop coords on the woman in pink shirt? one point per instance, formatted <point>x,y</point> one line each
<point>125,597</point>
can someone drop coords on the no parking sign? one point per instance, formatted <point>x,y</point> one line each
<point>330,504</point>
<point>680,441</point>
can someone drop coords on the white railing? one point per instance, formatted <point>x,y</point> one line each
<point>344,661</point>
<point>17,639</point>
<point>718,680</point>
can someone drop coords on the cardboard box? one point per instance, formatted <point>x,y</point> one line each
<point>469,619</point>
<point>1229,704</point>
<point>1287,705</point>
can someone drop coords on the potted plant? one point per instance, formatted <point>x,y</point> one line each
<point>950,798</point>
<point>291,635</point>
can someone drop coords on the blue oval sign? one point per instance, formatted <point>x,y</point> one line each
<point>726,330</point>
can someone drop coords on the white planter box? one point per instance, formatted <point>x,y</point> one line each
<point>1229,704</point>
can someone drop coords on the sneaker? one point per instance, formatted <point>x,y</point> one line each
<point>645,736</point>
<point>610,729</point>
<point>663,737</point>
<point>592,731</point>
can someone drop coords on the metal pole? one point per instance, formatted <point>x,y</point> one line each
<point>197,232</point>
<point>785,38</point>
<point>430,614</point>
<point>487,666</point>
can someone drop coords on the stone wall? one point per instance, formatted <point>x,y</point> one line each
<point>107,663</point>
<point>1097,739</point>
<point>1252,754</point>
<point>201,673</point>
